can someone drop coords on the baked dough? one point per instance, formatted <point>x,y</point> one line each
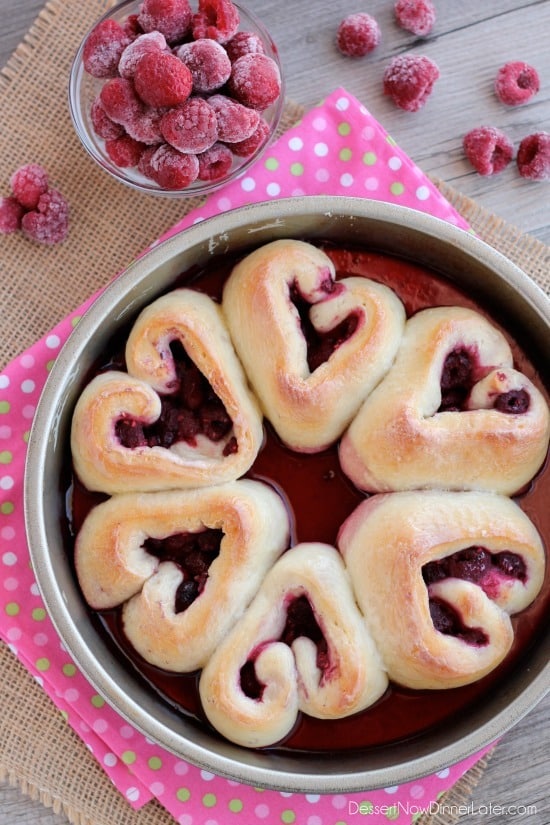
<point>387,541</point>
<point>399,440</point>
<point>114,568</point>
<point>308,410</point>
<point>100,459</point>
<point>292,680</point>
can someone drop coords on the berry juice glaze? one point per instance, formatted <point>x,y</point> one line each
<point>320,498</point>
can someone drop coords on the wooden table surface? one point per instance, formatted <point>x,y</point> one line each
<point>470,41</point>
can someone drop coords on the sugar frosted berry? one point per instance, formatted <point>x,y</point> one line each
<point>216,19</point>
<point>103,48</point>
<point>358,34</point>
<point>516,82</point>
<point>172,18</point>
<point>235,121</point>
<point>132,54</point>
<point>409,80</point>
<point>415,16</point>
<point>245,148</point>
<point>488,149</point>
<point>28,183</point>
<point>124,151</point>
<point>119,100</point>
<point>243,43</point>
<point>533,158</point>
<point>11,212</point>
<point>192,127</point>
<point>172,169</point>
<point>255,80</point>
<point>161,79</point>
<point>49,222</point>
<point>208,63</point>
<point>104,127</point>
<point>215,162</point>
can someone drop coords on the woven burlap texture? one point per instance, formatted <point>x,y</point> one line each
<point>40,285</point>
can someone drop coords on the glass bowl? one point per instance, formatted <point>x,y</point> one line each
<point>84,89</point>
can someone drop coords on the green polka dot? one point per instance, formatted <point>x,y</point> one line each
<point>397,188</point>
<point>7,508</point>
<point>97,701</point>
<point>366,807</point>
<point>38,614</point>
<point>75,320</point>
<point>69,669</point>
<point>392,813</point>
<point>129,757</point>
<point>345,154</point>
<point>391,140</point>
<point>65,715</point>
<point>272,164</point>
<point>183,794</point>
<point>155,763</point>
<point>209,800</point>
<point>259,790</point>
<point>344,129</point>
<point>42,664</point>
<point>50,364</point>
<point>4,406</point>
<point>369,158</point>
<point>288,817</point>
<point>12,609</point>
<point>296,169</point>
<point>26,436</point>
<point>5,457</point>
<point>236,806</point>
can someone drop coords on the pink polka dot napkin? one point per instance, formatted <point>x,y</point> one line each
<point>338,148</point>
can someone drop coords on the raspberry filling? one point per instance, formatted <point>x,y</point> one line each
<point>459,375</point>
<point>193,553</point>
<point>300,621</point>
<point>193,409</point>
<point>447,620</point>
<point>321,345</point>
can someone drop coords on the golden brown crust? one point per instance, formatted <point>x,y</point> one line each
<point>100,459</point>
<point>292,679</point>
<point>385,543</point>
<point>309,410</point>
<point>113,567</point>
<point>398,440</point>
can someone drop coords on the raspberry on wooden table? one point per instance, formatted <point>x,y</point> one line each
<point>516,82</point>
<point>170,17</point>
<point>409,80</point>
<point>533,158</point>
<point>488,149</point>
<point>216,19</point>
<point>28,183</point>
<point>103,48</point>
<point>161,79</point>
<point>208,63</point>
<point>358,34</point>
<point>415,16</point>
<point>49,223</point>
<point>255,80</point>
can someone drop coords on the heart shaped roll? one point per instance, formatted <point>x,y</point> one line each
<point>452,413</point>
<point>312,347</point>
<point>182,416</point>
<point>437,575</point>
<point>184,563</point>
<point>302,645</point>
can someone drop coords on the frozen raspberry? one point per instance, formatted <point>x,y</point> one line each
<point>358,34</point>
<point>409,80</point>
<point>244,43</point>
<point>132,54</point>
<point>28,183</point>
<point>215,162</point>
<point>132,27</point>
<point>533,158</point>
<point>124,151</point>
<point>416,16</point>
<point>216,19</point>
<point>172,169</point>
<point>104,127</point>
<point>144,163</point>
<point>161,79</point>
<point>120,101</point>
<point>235,121</point>
<point>208,63</point>
<point>255,80</point>
<point>170,17</point>
<point>245,148</point>
<point>144,125</point>
<point>516,82</point>
<point>192,127</point>
<point>11,212</point>
<point>488,149</point>
<point>103,48</point>
<point>49,223</point>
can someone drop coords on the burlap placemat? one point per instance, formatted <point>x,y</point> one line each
<point>40,285</point>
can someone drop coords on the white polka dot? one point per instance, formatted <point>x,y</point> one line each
<point>53,341</point>
<point>185,819</point>
<point>4,382</point>
<point>319,124</point>
<point>11,584</point>
<point>261,811</point>
<point>422,193</point>
<point>339,802</point>
<point>100,726</point>
<point>9,559</point>
<point>28,411</point>
<point>295,143</point>
<point>443,774</point>
<point>342,104</point>
<point>84,727</point>
<point>417,791</point>
<point>27,361</point>
<point>6,483</point>
<point>346,180</point>
<point>392,789</point>
<point>321,150</point>
<point>110,760</point>
<point>367,133</point>
<point>39,680</point>
<point>181,768</point>
<point>13,634</point>
<point>28,386</point>
<point>224,204</point>
<point>273,189</point>
<point>157,788</point>
<point>133,794</point>
<point>372,184</point>
<point>313,797</point>
<point>207,776</point>
<point>72,695</point>
<point>322,175</point>
<point>35,590</point>
<point>232,783</point>
<point>7,533</point>
<point>286,794</point>
<point>41,639</point>
<point>248,184</point>
<point>211,822</point>
<point>126,732</point>
<point>13,649</point>
<point>297,192</point>
<point>314,820</point>
<point>5,431</point>
<point>395,163</point>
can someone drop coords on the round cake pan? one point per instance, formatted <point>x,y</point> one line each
<point>458,255</point>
